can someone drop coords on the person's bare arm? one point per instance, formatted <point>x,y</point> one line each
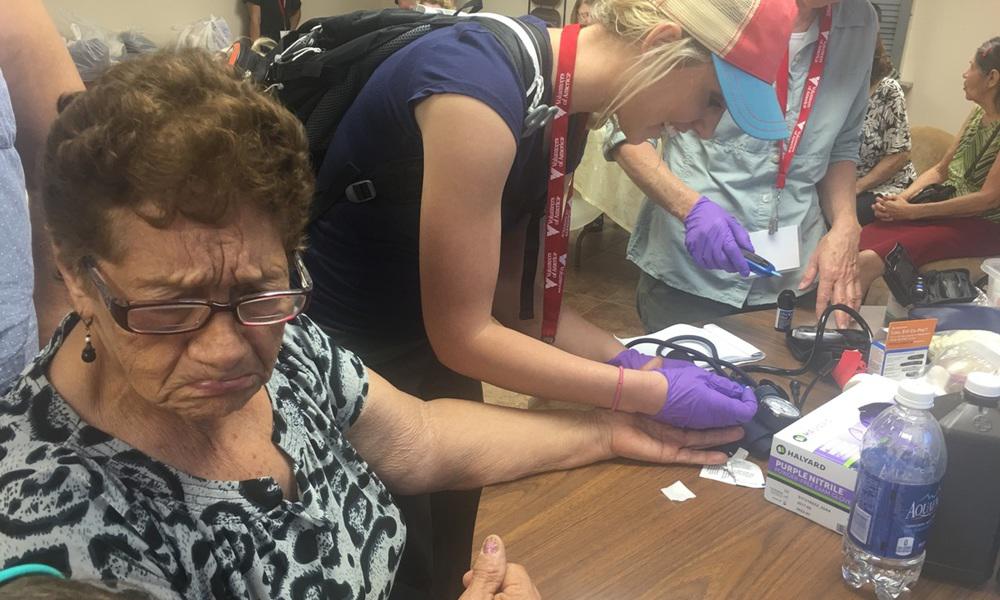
<point>969,205</point>
<point>882,171</point>
<point>834,261</point>
<point>38,70</point>
<point>295,18</point>
<point>254,11</point>
<point>460,245</point>
<point>643,165</point>
<point>418,447</point>
<point>939,172</point>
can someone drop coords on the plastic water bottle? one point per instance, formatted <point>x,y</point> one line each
<point>903,458</point>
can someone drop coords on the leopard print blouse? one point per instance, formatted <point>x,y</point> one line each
<point>75,498</point>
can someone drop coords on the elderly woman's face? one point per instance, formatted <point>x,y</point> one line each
<point>980,87</point>
<point>210,372</point>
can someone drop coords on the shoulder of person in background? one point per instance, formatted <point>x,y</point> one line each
<point>30,45</point>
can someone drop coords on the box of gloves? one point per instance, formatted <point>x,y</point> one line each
<point>813,464</point>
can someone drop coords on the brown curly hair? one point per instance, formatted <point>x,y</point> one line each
<point>169,134</point>
<point>881,63</point>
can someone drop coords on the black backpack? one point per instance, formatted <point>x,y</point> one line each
<point>317,70</point>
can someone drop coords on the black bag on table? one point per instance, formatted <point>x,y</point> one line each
<point>913,288</point>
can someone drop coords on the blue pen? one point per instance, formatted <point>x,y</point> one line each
<point>759,265</point>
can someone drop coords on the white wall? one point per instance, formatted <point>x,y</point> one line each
<point>158,19</point>
<point>942,38</point>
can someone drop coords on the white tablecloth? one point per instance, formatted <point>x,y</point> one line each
<point>601,186</point>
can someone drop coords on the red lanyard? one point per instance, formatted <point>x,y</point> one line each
<point>809,95</point>
<point>284,18</point>
<point>557,216</point>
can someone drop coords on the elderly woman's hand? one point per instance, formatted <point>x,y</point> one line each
<point>493,578</point>
<point>894,208</point>
<point>641,438</point>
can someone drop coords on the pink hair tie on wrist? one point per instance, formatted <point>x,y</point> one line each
<point>618,389</point>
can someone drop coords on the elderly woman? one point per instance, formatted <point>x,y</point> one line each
<point>952,210</point>
<point>187,430</point>
<point>884,168</point>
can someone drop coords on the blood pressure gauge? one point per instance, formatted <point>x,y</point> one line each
<point>775,410</point>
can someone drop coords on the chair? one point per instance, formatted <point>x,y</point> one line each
<point>929,145</point>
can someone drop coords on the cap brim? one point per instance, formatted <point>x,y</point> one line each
<point>752,102</point>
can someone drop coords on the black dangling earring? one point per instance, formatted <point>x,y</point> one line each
<point>88,355</point>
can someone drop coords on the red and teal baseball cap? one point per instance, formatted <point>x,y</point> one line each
<point>748,40</point>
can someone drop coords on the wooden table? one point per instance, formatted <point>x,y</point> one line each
<point>606,532</point>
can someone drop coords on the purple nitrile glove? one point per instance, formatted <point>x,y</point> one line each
<point>713,238</point>
<point>698,399</point>
<point>630,359</point>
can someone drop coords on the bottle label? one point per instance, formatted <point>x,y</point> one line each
<point>892,520</point>
<point>783,319</point>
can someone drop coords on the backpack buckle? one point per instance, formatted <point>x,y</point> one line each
<point>360,191</point>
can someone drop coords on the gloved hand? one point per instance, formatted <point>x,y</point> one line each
<point>713,238</point>
<point>630,358</point>
<point>698,399</point>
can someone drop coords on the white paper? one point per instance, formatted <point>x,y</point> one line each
<point>737,471</point>
<point>678,492</point>
<point>731,348</point>
<point>780,249</point>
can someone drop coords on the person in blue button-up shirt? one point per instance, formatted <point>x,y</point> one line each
<point>738,173</point>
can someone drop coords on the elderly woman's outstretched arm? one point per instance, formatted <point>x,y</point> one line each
<point>418,447</point>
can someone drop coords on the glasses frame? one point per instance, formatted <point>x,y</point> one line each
<point>119,308</point>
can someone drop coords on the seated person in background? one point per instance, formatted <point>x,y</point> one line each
<point>885,168</point>
<point>187,430</point>
<point>581,13</point>
<point>967,222</point>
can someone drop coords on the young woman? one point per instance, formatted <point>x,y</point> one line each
<point>429,281</point>
<point>967,222</point>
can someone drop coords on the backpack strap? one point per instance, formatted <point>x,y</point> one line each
<point>528,48</point>
<point>524,44</point>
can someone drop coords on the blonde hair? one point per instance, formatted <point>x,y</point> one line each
<point>633,20</point>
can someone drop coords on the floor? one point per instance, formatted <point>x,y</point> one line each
<point>601,288</point>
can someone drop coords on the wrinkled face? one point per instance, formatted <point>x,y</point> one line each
<point>583,15</point>
<point>980,87</point>
<point>686,99</point>
<point>210,372</point>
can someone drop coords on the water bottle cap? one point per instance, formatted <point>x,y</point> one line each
<point>985,385</point>
<point>915,393</point>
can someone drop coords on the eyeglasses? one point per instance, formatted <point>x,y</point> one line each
<point>182,316</point>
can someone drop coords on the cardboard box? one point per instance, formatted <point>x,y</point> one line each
<point>813,464</point>
<point>903,352</point>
